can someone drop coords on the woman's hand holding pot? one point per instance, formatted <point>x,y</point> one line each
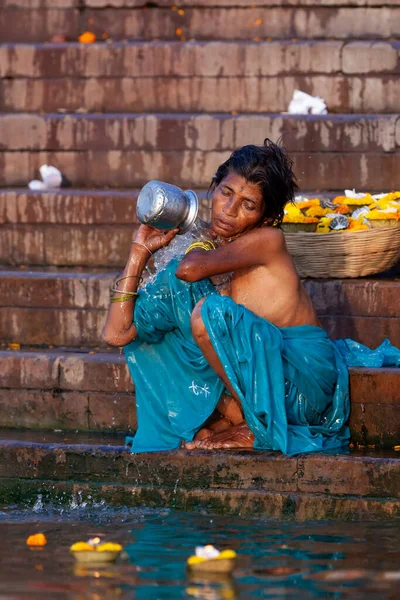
<point>153,238</point>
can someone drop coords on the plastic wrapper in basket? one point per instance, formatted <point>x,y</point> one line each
<point>346,254</point>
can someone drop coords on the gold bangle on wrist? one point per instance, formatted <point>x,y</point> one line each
<point>201,245</point>
<point>123,298</point>
<point>129,277</point>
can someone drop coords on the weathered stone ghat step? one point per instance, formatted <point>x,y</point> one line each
<point>127,150</point>
<point>357,151</point>
<point>132,168</point>
<point>92,390</point>
<point>209,76</point>
<point>99,4</point>
<point>202,22</point>
<point>68,308</point>
<point>343,94</point>
<point>157,133</point>
<point>253,484</point>
<point>201,59</point>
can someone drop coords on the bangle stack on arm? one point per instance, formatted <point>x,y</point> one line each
<point>124,295</point>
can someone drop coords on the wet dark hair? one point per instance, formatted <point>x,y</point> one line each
<point>270,167</point>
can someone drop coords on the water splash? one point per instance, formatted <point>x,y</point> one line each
<point>199,230</point>
<point>38,506</point>
<point>77,501</point>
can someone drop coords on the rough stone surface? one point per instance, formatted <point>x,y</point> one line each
<point>375,386</point>
<point>165,59</point>
<point>314,170</point>
<point>348,94</point>
<point>64,327</point>
<point>369,57</point>
<point>56,290</point>
<point>262,484</point>
<point>76,207</point>
<point>43,4</point>
<point>67,308</point>
<point>201,22</point>
<point>370,331</point>
<point>66,245</point>
<point>67,410</point>
<point>101,381</point>
<point>38,25</point>
<point>205,133</point>
<point>370,297</point>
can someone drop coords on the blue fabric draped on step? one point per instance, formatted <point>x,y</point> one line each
<point>292,382</point>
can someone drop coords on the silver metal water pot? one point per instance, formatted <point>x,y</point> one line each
<point>166,206</point>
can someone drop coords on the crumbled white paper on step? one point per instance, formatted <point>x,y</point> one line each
<point>304,104</point>
<point>36,185</point>
<point>52,178</point>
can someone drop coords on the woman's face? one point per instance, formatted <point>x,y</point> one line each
<point>237,206</point>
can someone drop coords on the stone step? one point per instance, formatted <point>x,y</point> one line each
<point>70,227</point>
<point>343,94</point>
<point>63,307</point>
<point>202,59</point>
<point>54,308</point>
<point>357,76</point>
<point>99,4</point>
<point>355,150</point>
<point>361,485</point>
<point>195,168</point>
<point>60,389</point>
<point>92,390</point>
<point>124,21</point>
<point>196,132</point>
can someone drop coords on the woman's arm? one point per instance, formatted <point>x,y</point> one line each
<point>120,329</point>
<point>253,249</point>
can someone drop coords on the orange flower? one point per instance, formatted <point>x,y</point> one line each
<point>342,209</point>
<point>14,346</point>
<point>38,539</point>
<point>87,37</point>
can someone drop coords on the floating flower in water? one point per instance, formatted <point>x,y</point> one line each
<point>87,37</point>
<point>208,558</point>
<point>95,552</point>
<point>37,539</point>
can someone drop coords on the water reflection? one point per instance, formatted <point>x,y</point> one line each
<point>335,561</point>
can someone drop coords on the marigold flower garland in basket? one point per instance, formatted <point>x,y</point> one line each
<point>363,234</point>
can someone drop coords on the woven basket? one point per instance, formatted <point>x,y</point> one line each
<point>352,254</point>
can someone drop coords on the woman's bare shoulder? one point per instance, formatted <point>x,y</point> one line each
<point>268,238</point>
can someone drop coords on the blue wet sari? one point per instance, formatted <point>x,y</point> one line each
<point>292,382</point>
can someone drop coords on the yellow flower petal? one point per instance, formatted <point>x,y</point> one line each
<point>79,546</point>
<point>109,547</point>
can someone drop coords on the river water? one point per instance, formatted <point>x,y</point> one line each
<point>277,560</point>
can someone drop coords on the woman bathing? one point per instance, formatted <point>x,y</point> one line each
<point>248,365</point>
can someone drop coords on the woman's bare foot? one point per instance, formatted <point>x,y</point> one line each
<point>215,426</point>
<point>228,406</point>
<point>237,436</point>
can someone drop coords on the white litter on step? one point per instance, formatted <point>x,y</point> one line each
<point>51,176</point>
<point>304,104</point>
<point>37,185</point>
